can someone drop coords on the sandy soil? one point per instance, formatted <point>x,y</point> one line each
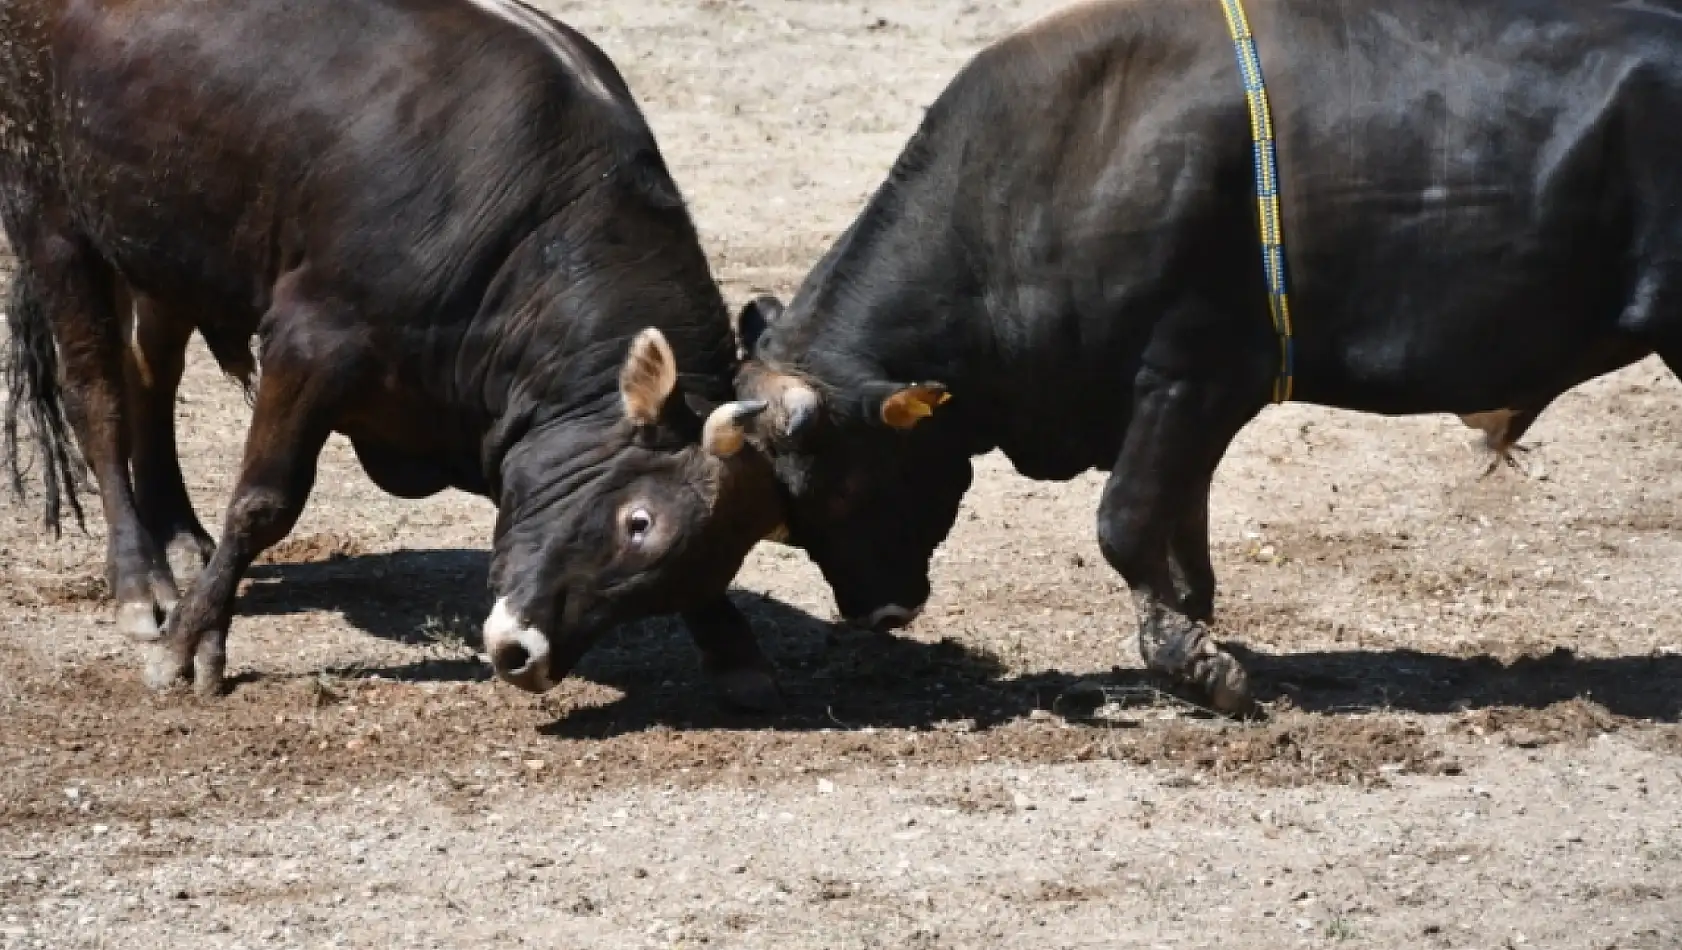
<point>1475,679</point>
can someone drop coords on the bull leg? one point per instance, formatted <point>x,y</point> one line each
<point>1178,432</point>
<point>308,369</point>
<point>1188,558</point>
<point>731,657</point>
<point>153,363</point>
<point>82,299</point>
<point>1501,431</point>
<point>1672,356</point>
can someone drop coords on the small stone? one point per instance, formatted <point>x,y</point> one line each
<point>825,786</point>
<point>536,765</point>
<point>1080,795</point>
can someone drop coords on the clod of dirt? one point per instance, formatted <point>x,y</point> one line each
<point>313,548</point>
<point>1301,751</point>
<point>1574,720</point>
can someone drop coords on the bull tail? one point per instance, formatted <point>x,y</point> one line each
<point>34,397</point>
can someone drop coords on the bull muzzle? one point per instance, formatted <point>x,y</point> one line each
<point>519,653</point>
<point>884,619</point>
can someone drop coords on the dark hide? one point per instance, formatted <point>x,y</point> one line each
<point>444,222</point>
<point>1482,204</point>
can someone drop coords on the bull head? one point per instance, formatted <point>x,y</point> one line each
<point>796,403</point>
<point>647,381</point>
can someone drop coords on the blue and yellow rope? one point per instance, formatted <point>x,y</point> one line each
<point>1267,191</point>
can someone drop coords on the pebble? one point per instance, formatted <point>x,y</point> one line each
<point>825,786</point>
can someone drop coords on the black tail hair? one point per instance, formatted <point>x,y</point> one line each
<point>33,391</point>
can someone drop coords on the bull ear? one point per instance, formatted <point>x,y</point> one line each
<point>755,318</point>
<point>726,428</point>
<point>648,377</point>
<point>909,405</point>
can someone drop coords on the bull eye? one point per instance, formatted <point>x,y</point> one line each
<point>638,525</point>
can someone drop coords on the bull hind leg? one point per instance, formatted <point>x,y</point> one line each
<point>153,363</point>
<point>68,295</point>
<point>1501,430</point>
<point>1178,432</point>
<point>309,367</point>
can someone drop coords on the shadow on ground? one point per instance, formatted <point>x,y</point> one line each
<point>836,678</point>
<point>1639,687</point>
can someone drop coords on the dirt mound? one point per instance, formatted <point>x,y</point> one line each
<point>313,548</point>
<point>275,739</point>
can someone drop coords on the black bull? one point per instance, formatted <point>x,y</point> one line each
<point>454,236</point>
<point>1482,207</point>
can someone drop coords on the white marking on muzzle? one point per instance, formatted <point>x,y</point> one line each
<point>503,629</point>
<point>900,616</point>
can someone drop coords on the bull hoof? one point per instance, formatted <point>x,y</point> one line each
<point>210,667</point>
<point>141,621</point>
<point>1183,650</point>
<point>167,665</point>
<point>1226,684</point>
<point>750,691</point>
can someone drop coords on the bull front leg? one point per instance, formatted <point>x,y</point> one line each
<point>1188,557</point>
<point>731,658</point>
<point>310,366</point>
<point>1154,514</point>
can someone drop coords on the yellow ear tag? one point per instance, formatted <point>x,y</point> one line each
<point>911,405</point>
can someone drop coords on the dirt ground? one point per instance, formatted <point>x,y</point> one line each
<point>1475,680</point>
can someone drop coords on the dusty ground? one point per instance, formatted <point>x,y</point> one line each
<point>1477,680</point>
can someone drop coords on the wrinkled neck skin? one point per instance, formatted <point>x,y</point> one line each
<point>542,358</point>
<point>888,303</point>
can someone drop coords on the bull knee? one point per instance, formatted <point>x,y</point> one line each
<point>1128,545</point>
<point>261,517</point>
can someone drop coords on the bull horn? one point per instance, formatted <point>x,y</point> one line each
<point>800,407</point>
<point>725,431</point>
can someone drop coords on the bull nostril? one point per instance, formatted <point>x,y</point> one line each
<point>510,658</point>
